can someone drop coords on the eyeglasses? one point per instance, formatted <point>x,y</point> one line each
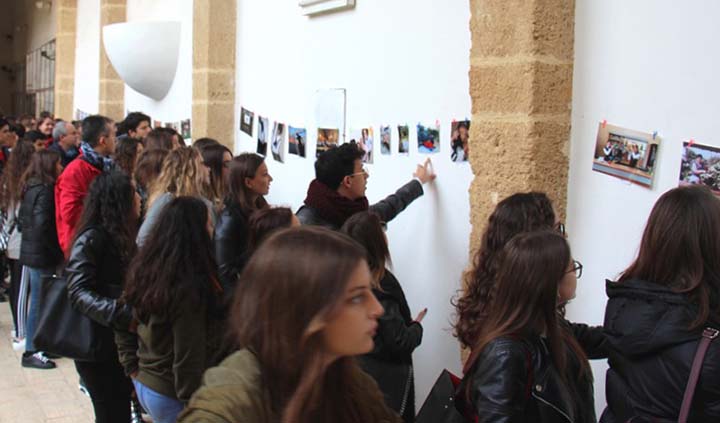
<point>363,172</point>
<point>577,268</point>
<point>560,227</point>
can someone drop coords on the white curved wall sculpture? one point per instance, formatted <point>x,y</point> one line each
<point>144,54</point>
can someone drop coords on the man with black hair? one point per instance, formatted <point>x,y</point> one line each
<point>65,142</point>
<point>72,186</point>
<point>136,125</point>
<point>338,190</point>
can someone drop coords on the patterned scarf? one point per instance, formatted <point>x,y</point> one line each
<point>94,158</point>
<point>332,206</point>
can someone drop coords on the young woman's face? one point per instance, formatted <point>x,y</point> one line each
<point>567,285</point>
<point>227,158</point>
<point>260,184</point>
<point>352,328</point>
<point>46,126</point>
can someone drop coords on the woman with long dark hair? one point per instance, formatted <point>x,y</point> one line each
<point>40,251</point>
<point>217,158</point>
<point>298,366</point>
<point>103,247</point>
<point>657,312</point>
<point>399,334</point>
<point>127,153</point>
<point>176,301</point>
<point>526,365</point>
<point>248,183</point>
<point>265,222</point>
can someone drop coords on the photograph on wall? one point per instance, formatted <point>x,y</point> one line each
<point>173,125</point>
<point>246,121</point>
<point>80,115</point>
<point>460,146</point>
<point>327,138</point>
<point>157,124</point>
<point>278,142</point>
<point>626,154</point>
<point>185,129</point>
<point>428,138</point>
<point>403,139</point>
<point>297,140</point>
<point>263,123</point>
<point>385,140</point>
<point>364,139</point>
<point>700,166</point>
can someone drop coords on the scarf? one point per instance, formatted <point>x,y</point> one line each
<point>95,159</point>
<point>332,206</point>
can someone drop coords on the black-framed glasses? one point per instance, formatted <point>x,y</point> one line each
<point>560,227</point>
<point>577,268</point>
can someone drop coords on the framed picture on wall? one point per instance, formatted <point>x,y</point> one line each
<point>626,154</point>
<point>314,7</point>
<point>700,166</point>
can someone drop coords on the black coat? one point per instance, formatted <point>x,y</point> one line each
<point>39,247</point>
<point>390,362</point>
<point>651,353</point>
<point>231,243</point>
<point>95,275</point>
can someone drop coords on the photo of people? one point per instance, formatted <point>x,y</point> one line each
<point>700,166</point>
<point>428,139</point>
<point>460,145</point>
<point>326,139</point>
<point>626,154</point>
<point>403,139</point>
<point>364,139</point>
<point>246,121</point>
<point>385,143</point>
<point>263,123</point>
<point>278,142</point>
<point>297,140</point>
<point>185,129</point>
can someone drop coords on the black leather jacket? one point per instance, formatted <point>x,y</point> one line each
<point>95,275</point>
<point>39,248</point>
<point>231,239</point>
<point>387,209</point>
<point>651,353</point>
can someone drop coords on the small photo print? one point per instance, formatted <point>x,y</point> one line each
<point>460,145</point>
<point>278,142</point>
<point>701,166</point>
<point>173,125</point>
<point>326,139</point>
<point>297,140</point>
<point>385,140</point>
<point>364,139</point>
<point>428,139</point>
<point>404,139</point>
<point>263,129</point>
<point>626,154</point>
<point>246,121</point>
<point>185,129</point>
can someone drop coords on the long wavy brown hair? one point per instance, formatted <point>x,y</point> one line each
<point>296,277</point>
<point>521,212</point>
<point>181,175</point>
<point>11,180</point>
<point>241,167</point>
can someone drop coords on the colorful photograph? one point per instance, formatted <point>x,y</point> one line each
<point>173,125</point>
<point>460,146</point>
<point>385,140</point>
<point>326,139</point>
<point>428,139</point>
<point>700,166</point>
<point>364,139</point>
<point>404,139</point>
<point>263,123</point>
<point>278,142</point>
<point>185,129</point>
<point>246,121</point>
<point>297,140</point>
<point>626,154</point>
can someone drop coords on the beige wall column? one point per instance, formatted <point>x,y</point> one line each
<point>521,89</point>
<point>66,23</point>
<point>112,88</point>
<point>213,108</point>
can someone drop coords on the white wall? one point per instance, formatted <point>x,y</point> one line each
<point>177,105</point>
<point>403,61</point>
<point>87,58</point>
<point>646,65</point>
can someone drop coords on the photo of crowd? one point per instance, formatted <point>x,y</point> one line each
<point>626,154</point>
<point>700,166</point>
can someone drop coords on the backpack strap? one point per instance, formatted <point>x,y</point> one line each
<point>709,334</point>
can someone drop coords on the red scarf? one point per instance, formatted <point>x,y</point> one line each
<point>332,206</point>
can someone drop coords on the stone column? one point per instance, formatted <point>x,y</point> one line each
<point>521,88</point>
<point>112,87</point>
<point>213,108</point>
<point>66,21</point>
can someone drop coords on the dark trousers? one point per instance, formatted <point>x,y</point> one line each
<point>15,268</point>
<point>109,390</point>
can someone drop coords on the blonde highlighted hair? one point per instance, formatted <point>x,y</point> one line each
<point>181,175</point>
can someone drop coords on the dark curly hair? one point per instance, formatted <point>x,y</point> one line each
<point>109,204</point>
<point>126,153</point>
<point>10,182</point>
<point>181,238</point>
<point>521,212</point>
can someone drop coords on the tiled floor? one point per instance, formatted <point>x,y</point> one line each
<point>35,396</point>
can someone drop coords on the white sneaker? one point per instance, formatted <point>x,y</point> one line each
<point>18,344</point>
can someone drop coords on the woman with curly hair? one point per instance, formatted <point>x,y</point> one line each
<point>127,153</point>
<point>103,247</point>
<point>148,169</point>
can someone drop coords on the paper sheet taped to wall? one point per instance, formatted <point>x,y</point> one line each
<point>330,109</point>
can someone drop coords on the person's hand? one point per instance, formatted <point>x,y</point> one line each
<point>425,172</point>
<point>420,316</point>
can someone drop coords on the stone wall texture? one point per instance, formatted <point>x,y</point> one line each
<point>66,20</point>
<point>112,87</point>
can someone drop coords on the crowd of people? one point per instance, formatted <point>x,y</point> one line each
<point>209,304</point>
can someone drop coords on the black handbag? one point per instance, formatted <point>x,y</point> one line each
<point>441,405</point>
<point>64,331</point>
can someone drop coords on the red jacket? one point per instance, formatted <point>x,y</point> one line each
<point>70,191</point>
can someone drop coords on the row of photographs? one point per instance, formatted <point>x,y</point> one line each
<point>183,127</point>
<point>632,155</point>
<point>428,138</point>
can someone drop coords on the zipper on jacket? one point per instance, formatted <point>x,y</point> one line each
<point>552,406</point>
<point>403,404</point>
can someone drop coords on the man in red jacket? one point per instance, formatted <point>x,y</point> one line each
<point>72,186</point>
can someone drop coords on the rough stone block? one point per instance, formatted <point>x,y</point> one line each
<point>66,19</point>
<point>214,85</point>
<point>215,120</point>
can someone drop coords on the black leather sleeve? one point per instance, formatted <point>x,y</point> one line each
<point>591,338</point>
<point>230,246</point>
<point>500,382</point>
<point>395,338</point>
<point>393,204</point>
<point>82,274</point>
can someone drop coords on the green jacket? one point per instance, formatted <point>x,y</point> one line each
<point>233,393</point>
